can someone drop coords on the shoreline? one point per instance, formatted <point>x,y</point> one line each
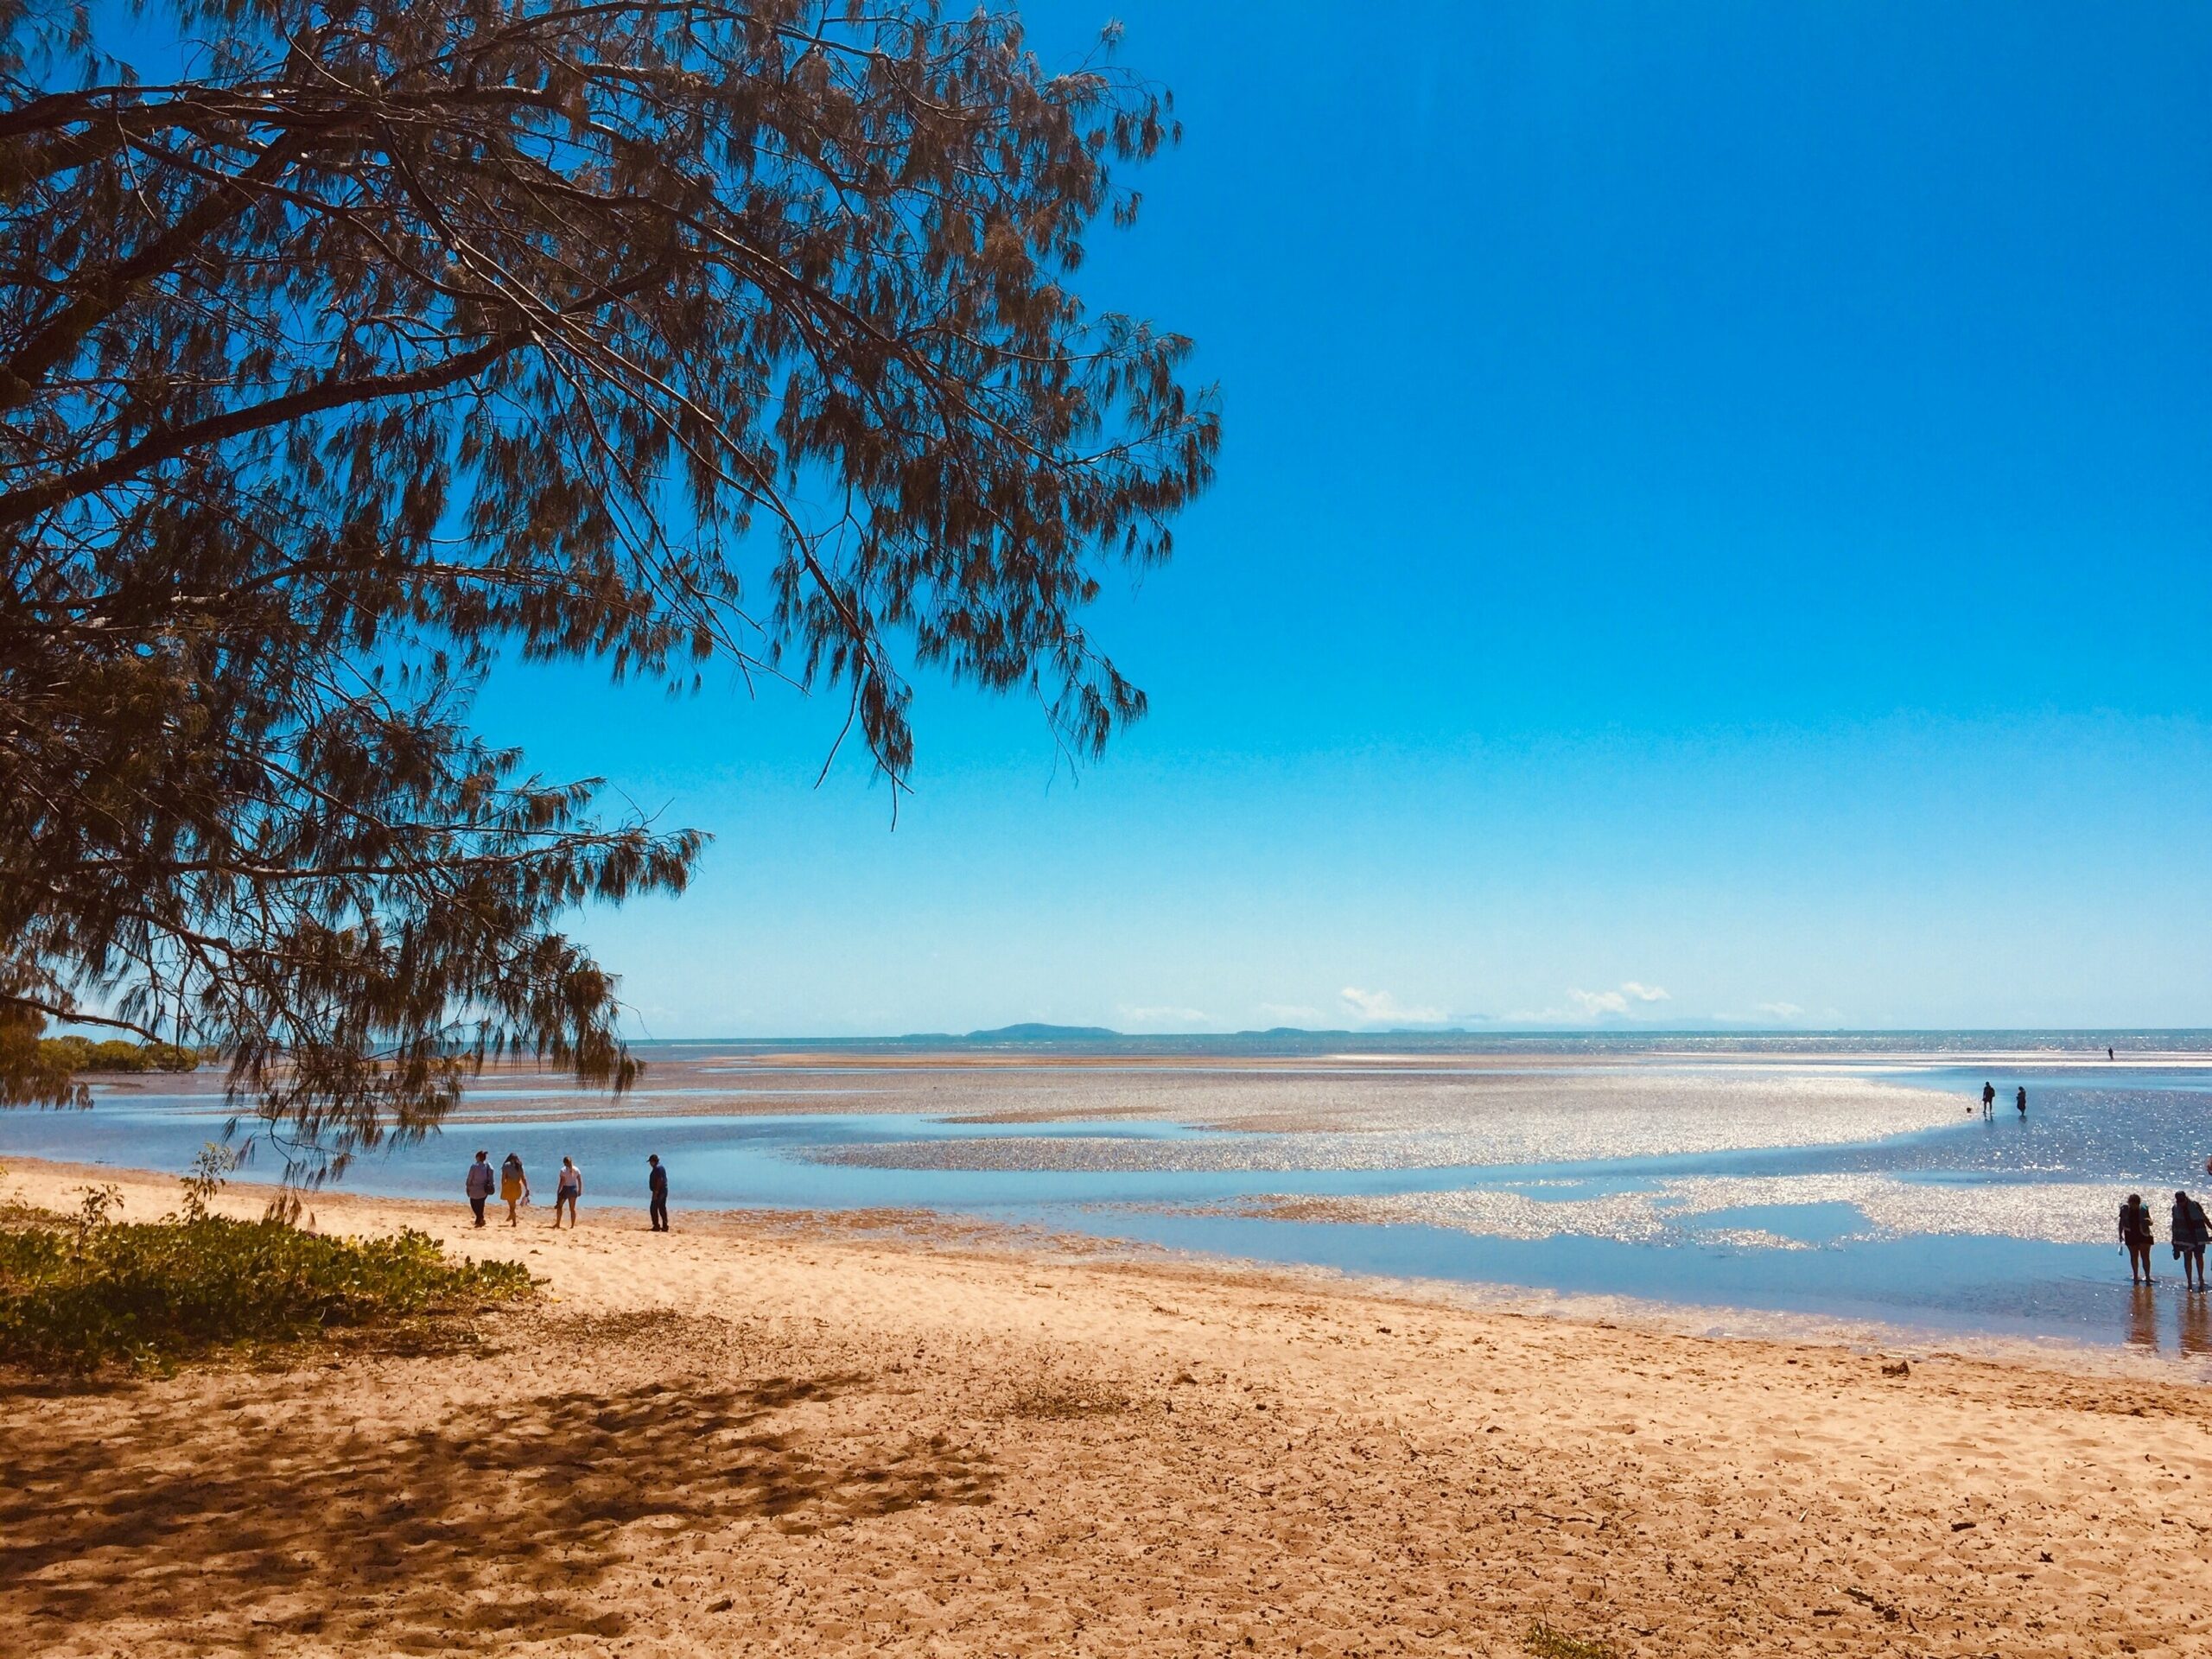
<point>924,1228</point>
<point>767,1434</point>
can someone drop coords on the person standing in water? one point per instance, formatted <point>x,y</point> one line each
<point>1989,1098</point>
<point>568,1187</point>
<point>2020,1100</point>
<point>2189,1235</point>
<point>657,1185</point>
<point>2136,1238</point>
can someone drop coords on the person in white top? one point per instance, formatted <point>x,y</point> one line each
<point>567,1189</point>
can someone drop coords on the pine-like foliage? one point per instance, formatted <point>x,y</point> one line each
<point>378,338</point>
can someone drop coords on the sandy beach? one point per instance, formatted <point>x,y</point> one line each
<point>785,1434</point>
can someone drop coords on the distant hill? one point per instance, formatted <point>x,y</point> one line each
<point>1037,1034</point>
<point>1036,1031</point>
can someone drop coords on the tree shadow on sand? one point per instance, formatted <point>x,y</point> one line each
<point>242,1538</point>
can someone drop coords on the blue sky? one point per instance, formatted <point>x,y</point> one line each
<point>1715,526</point>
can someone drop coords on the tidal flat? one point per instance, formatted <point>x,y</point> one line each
<point>1845,1179</point>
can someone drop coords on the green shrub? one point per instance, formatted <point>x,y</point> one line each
<point>80,1294</point>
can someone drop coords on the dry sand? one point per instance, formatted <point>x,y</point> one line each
<point>764,1436</point>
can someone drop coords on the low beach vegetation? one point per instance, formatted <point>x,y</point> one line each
<point>87,1292</point>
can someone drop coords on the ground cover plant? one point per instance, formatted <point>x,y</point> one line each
<point>81,1292</point>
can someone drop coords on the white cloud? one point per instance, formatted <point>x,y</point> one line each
<point>1593,1005</point>
<point>1780,1010</point>
<point>1379,1007</point>
<point>1184,1018</point>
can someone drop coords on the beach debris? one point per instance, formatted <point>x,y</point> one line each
<point>1545,1642</point>
<point>1902,1368</point>
<point>1875,1603</point>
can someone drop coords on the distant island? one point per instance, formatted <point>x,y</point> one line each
<point>1030,1032</point>
<point>1037,1031</point>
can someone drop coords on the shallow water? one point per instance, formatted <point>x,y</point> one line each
<point>1855,1188</point>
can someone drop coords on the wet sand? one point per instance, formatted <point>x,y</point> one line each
<point>1470,1109</point>
<point>766,1434</point>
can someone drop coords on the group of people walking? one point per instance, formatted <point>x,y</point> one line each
<point>512,1183</point>
<point>2190,1232</point>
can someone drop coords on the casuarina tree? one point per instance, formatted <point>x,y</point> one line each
<point>346,347</point>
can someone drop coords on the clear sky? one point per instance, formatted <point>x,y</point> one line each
<point>1714,525</point>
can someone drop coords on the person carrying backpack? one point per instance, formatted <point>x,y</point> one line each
<point>480,1184</point>
<point>2191,1231</point>
<point>2135,1237</point>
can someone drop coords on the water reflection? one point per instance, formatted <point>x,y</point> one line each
<point>2192,1321</point>
<point>2143,1318</point>
<point>2196,1325</point>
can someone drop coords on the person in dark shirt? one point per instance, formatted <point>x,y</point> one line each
<point>1988,1097</point>
<point>2135,1237</point>
<point>656,1184</point>
<point>2020,1100</point>
<point>2189,1235</point>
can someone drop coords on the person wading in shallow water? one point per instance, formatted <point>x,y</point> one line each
<point>2189,1235</point>
<point>2020,1100</point>
<point>2135,1237</point>
<point>1989,1098</point>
